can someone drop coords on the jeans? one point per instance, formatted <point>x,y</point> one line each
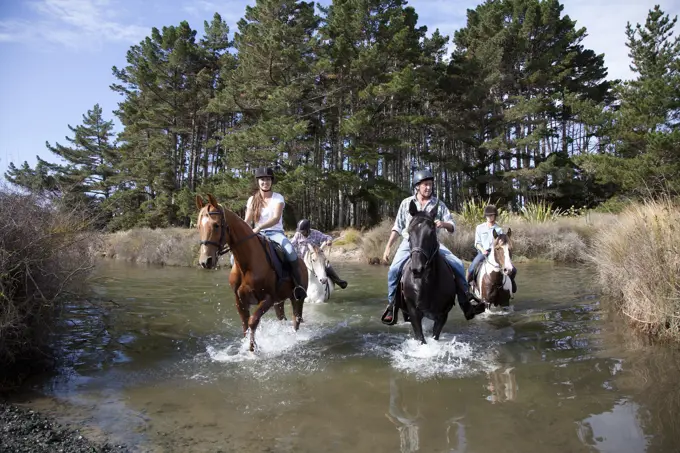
<point>280,238</point>
<point>475,262</point>
<point>402,255</point>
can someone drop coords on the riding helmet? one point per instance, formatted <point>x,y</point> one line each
<point>490,210</point>
<point>304,225</point>
<point>422,175</point>
<point>264,172</point>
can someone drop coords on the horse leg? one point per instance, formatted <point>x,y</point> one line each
<point>243,309</point>
<point>297,312</point>
<point>439,325</point>
<point>254,320</point>
<point>280,311</point>
<point>417,324</point>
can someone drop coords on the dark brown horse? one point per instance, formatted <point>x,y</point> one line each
<point>253,277</point>
<point>492,280</point>
<point>428,286</point>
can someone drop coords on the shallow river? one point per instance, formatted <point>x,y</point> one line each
<point>156,360</point>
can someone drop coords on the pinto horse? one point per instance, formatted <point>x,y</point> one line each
<point>319,287</point>
<point>428,286</point>
<point>253,277</point>
<point>492,277</point>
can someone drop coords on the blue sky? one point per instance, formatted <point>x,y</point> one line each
<point>56,55</point>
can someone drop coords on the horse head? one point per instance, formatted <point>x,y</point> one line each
<point>502,251</point>
<point>422,233</point>
<point>315,260</point>
<point>212,228</point>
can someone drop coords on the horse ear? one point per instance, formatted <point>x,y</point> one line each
<point>199,202</point>
<point>412,208</point>
<point>213,201</point>
<point>495,234</point>
<point>509,232</point>
<point>433,212</point>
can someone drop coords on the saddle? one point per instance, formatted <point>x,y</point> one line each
<point>276,256</point>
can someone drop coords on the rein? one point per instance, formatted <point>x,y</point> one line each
<point>222,246</point>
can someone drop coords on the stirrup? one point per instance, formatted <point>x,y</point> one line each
<point>390,308</point>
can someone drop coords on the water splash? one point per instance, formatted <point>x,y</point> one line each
<point>435,358</point>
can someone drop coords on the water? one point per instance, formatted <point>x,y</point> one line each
<point>156,360</point>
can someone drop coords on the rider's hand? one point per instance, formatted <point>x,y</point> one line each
<point>485,252</point>
<point>256,230</point>
<point>329,243</point>
<point>386,256</point>
<point>438,224</point>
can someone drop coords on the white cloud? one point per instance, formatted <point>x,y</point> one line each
<point>76,24</point>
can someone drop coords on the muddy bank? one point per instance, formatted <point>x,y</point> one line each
<point>25,430</point>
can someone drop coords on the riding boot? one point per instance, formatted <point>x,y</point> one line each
<point>512,280</point>
<point>464,298</point>
<point>299,292</point>
<point>335,278</point>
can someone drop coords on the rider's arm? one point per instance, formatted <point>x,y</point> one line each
<point>478,241</point>
<point>249,212</point>
<point>445,218</point>
<point>276,215</point>
<point>393,237</point>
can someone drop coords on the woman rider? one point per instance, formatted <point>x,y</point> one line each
<point>264,209</point>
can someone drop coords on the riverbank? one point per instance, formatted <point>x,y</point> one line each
<point>25,430</point>
<point>44,259</point>
<point>562,239</point>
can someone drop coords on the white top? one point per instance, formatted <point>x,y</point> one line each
<point>268,211</point>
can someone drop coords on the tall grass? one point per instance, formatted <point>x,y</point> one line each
<point>638,263</point>
<point>563,239</point>
<point>472,212</point>
<point>45,254</point>
<point>168,246</point>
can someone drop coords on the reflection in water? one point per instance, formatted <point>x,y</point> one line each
<point>406,423</point>
<point>502,385</point>
<point>163,367</point>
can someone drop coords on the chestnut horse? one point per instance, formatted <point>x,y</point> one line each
<point>492,277</point>
<point>253,277</point>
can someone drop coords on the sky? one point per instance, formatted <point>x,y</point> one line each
<point>56,55</point>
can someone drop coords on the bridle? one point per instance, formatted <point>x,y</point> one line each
<point>225,231</point>
<point>429,255</point>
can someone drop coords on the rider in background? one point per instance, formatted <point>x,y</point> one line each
<point>484,242</point>
<point>264,209</point>
<point>423,183</point>
<point>304,235</point>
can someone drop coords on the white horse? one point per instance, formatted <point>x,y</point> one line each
<point>492,282</point>
<point>319,286</point>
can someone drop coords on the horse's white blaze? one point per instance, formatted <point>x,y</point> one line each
<point>508,261</point>
<point>319,287</point>
<point>205,220</point>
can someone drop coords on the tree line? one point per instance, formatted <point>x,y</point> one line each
<point>346,101</point>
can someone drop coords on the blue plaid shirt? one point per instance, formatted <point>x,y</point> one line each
<point>404,216</point>
<point>315,237</point>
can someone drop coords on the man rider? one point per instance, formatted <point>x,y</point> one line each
<point>423,182</point>
<point>304,235</point>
